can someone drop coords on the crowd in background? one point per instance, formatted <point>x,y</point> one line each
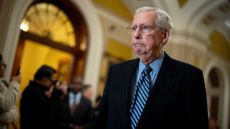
<point>46,103</point>
<point>49,104</point>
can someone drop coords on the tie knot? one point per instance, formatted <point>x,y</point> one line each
<point>148,69</point>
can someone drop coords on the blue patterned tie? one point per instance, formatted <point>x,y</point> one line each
<point>141,94</point>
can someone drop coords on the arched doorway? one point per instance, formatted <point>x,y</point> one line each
<point>53,33</point>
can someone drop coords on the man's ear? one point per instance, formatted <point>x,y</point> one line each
<point>165,36</point>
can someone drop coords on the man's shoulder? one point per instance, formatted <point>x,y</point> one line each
<point>182,65</point>
<point>30,89</point>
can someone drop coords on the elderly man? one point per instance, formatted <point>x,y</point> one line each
<point>153,91</point>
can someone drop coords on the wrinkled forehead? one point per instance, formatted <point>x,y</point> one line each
<point>144,17</point>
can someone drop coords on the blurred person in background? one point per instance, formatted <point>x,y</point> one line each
<point>95,112</point>
<point>40,101</point>
<point>87,92</point>
<point>213,124</point>
<point>9,93</point>
<point>76,107</point>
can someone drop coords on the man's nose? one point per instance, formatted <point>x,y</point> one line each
<point>137,34</point>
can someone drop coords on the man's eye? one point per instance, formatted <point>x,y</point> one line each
<point>146,27</point>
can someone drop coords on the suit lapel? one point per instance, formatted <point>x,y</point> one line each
<point>162,86</point>
<point>127,74</point>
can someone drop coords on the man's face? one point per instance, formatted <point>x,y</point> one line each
<point>147,38</point>
<point>76,87</point>
<point>2,69</point>
<point>49,82</point>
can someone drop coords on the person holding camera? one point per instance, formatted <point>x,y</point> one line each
<point>39,100</point>
<point>9,93</point>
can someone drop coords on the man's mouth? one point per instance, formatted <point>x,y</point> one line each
<point>138,45</point>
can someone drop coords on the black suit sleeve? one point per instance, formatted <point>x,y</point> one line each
<point>196,103</point>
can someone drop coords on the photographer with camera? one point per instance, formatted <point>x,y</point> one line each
<point>9,93</point>
<point>41,100</point>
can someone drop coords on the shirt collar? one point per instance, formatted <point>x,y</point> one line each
<point>155,64</point>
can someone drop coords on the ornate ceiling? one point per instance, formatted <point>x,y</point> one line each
<point>208,21</point>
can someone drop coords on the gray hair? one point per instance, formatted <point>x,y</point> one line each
<point>163,19</point>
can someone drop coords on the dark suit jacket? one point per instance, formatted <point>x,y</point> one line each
<point>37,111</point>
<point>81,117</point>
<point>176,101</point>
